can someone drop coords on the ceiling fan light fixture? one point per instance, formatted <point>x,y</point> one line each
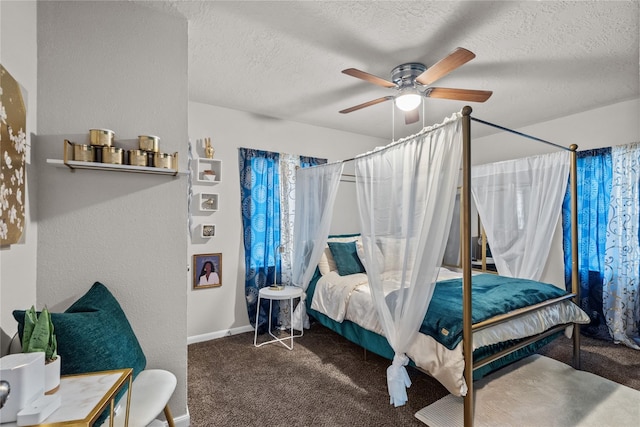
<point>408,100</point>
<point>412,81</point>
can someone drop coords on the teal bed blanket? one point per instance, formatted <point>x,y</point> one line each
<point>443,320</point>
<point>492,295</point>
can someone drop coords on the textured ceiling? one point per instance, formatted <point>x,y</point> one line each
<point>283,60</point>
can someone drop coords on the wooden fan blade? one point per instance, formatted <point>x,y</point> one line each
<point>366,104</point>
<point>411,116</point>
<point>446,65</point>
<point>459,94</point>
<point>368,77</point>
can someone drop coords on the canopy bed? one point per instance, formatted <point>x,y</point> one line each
<point>390,299</point>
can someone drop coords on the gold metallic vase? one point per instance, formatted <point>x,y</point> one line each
<point>149,143</point>
<point>113,155</point>
<point>82,153</point>
<point>163,160</point>
<point>101,137</point>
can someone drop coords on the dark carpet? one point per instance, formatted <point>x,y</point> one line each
<point>326,381</point>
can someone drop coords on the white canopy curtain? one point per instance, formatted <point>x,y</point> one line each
<point>316,189</point>
<point>288,165</point>
<point>519,202</point>
<point>406,194</point>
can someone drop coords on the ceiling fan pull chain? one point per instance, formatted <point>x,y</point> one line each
<point>393,122</point>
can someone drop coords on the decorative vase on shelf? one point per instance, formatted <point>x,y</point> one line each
<point>209,175</point>
<point>208,149</point>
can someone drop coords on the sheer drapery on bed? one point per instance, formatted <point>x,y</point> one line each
<point>519,202</point>
<point>406,193</point>
<point>316,189</point>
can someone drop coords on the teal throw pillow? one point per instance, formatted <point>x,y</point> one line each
<point>346,257</point>
<point>94,335</point>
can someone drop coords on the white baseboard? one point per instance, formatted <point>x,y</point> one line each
<point>181,421</point>
<point>219,334</point>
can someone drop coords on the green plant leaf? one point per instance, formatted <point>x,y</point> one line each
<point>40,337</point>
<point>52,345</point>
<point>53,348</point>
<point>30,319</point>
<point>38,334</point>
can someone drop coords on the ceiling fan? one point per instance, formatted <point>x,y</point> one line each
<point>412,82</point>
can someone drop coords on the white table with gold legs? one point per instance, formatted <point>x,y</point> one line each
<point>85,396</point>
<point>286,293</point>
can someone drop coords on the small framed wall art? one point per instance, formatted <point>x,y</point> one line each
<point>207,271</point>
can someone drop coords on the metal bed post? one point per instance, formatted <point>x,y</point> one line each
<point>575,284</point>
<point>468,326</point>
<point>575,280</point>
<point>467,332</point>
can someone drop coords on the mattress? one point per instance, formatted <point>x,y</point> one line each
<point>348,298</point>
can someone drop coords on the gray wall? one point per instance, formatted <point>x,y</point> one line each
<point>217,312</point>
<point>121,67</point>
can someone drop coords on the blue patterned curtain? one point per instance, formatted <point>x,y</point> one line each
<point>260,201</point>
<point>621,290</point>
<point>594,189</point>
<point>306,161</point>
<point>262,219</point>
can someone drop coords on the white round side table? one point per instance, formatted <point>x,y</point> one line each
<point>287,293</point>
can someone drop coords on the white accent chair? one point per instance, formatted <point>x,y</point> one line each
<point>151,391</point>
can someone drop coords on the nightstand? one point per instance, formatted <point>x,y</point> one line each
<point>287,293</point>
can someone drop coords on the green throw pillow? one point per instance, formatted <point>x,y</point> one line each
<point>94,335</point>
<point>346,257</point>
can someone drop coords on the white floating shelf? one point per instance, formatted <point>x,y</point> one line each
<point>204,166</point>
<point>72,165</point>
<point>208,202</point>
<point>207,231</point>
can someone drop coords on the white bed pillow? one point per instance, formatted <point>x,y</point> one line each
<point>378,254</point>
<point>391,248</point>
<point>327,263</point>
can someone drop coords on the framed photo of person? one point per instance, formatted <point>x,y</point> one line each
<point>207,271</point>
